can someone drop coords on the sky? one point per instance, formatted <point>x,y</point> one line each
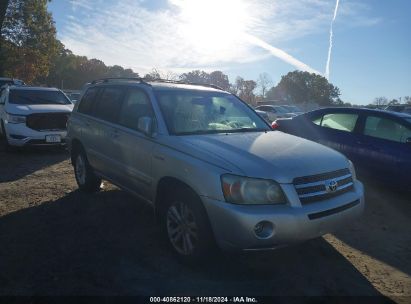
<point>370,54</point>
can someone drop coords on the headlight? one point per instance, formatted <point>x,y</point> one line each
<point>15,119</point>
<point>352,170</point>
<point>251,191</point>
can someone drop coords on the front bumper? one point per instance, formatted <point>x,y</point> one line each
<point>19,135</point>
<point>233,225</point>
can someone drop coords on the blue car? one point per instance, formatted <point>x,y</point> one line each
<point>378,142</point>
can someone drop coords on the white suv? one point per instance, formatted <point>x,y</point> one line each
<point>33,115</point>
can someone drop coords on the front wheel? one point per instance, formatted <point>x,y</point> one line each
<point>3,136</point>
<point>187,228</point>
<point>85,177</point>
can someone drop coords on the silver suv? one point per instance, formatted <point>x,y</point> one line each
<point>211,167</point>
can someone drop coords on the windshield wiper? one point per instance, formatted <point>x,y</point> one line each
<point>245,130</point>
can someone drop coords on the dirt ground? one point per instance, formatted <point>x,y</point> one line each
<point>55,240</point>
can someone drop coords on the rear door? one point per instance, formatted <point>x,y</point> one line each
<point>384,151</point>
<point>105,113</point>
<point>83,127</point>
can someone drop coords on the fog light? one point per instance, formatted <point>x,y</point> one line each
<point>264,230</point>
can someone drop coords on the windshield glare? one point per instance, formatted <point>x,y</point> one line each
<point>37,97</point>
<point>199,112</point>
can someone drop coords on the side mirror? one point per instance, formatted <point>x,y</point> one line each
<point>145,125</point>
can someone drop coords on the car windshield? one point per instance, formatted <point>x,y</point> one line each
<point>74,96</point>
<point>201,112</point>
<point>36,97</point>
<point>281,109</point>
<point>294,108</point>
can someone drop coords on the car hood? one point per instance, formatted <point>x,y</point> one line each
<point>43,108</point>
<point>272,155</point>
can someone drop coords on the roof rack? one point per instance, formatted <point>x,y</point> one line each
<point>102,80</point>
<point>184,82</point>
<point>146,81</point>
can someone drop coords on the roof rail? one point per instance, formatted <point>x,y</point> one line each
<point>102,80</point>
<point>146,81</point>
<point>185,82</point>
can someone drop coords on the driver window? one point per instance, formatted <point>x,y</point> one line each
<point>135,106</point>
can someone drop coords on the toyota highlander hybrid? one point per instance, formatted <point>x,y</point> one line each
<point>212,168</point>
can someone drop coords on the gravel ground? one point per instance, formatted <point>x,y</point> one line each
<point>55,240</point>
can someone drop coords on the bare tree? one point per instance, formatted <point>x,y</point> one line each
<point>264,81</point>
<point>407,99</point>
<point>380,102</point>
<point>157,74</point>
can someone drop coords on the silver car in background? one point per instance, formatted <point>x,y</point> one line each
<point>213,170</point>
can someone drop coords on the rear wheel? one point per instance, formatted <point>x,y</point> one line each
<point>186,226</point>
<point>85,176</point>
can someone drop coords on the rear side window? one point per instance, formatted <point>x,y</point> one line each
<point>135,106</point>
<point>86,104</point>
<point>385,128</point>
<point>108,104</point>
<point>338,121</point>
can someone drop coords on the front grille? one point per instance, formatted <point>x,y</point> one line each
<point>47,121</point>
<point>313,188</point>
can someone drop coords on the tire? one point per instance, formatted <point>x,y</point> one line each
<point>3,137</point>
<point>186,227</point>
<point>86,179</point>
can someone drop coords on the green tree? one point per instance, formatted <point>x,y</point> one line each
<point>244,89</point>
<point>300,87</point>
<point>28,40</point>
<point>217,78</point>
<point>220,79</point>
<point>196,76</point>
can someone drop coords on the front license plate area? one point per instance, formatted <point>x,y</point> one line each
<point>53,138</point>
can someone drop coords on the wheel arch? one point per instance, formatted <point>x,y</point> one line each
<point>169,184</point>
<point>75,146</point>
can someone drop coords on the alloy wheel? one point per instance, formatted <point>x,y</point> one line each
<point>181,228</point>
<point>81,169</point>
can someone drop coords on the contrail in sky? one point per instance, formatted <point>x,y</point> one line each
<point>327,68</point>
<point>281,54</point>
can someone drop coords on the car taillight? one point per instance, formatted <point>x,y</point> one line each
<point>274,125</point>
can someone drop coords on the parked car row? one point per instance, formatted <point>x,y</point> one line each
<point>401,108</point>
<point>273,111</point>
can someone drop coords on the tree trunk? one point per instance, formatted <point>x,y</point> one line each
<point>3,7</point>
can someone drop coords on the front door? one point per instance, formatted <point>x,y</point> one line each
<point>134,148</point>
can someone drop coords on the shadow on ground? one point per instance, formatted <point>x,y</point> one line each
<point>13,165</point>
<point>384,230</point>
<point>108,244</point>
